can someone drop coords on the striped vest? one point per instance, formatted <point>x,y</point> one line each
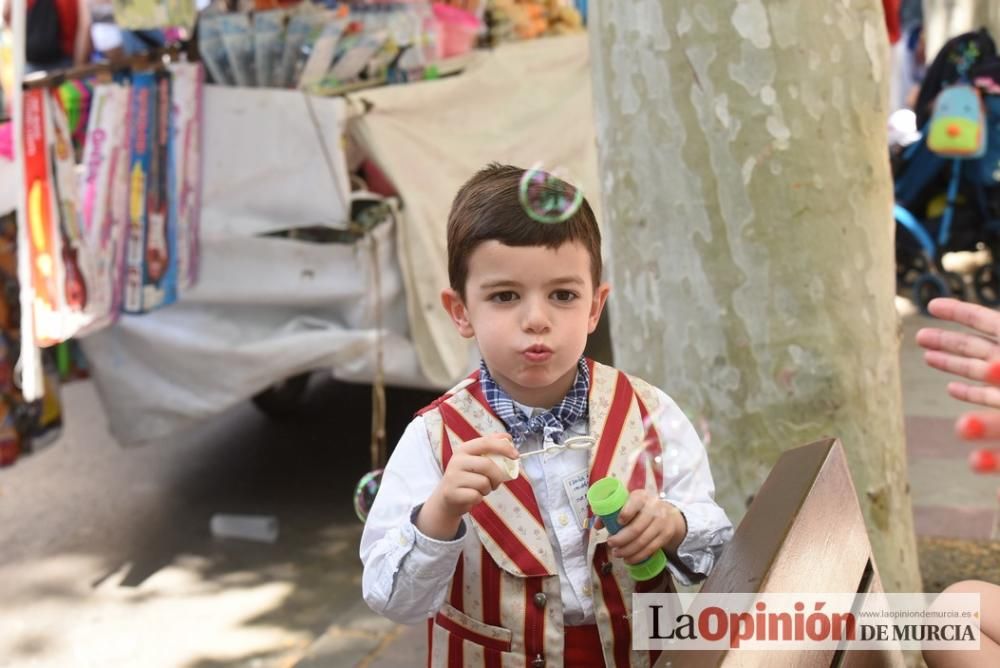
<point>504,606</point>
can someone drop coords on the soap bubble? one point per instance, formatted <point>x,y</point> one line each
<point>364,493</point>
<point>661,453</point>
<point>548,197</point>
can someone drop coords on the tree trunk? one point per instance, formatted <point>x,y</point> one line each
<point>748,196</point>
<point>943,19</point>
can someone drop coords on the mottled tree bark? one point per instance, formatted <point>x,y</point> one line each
<point>746,183</point>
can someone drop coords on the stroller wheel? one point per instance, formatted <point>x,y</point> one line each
<point>955,282</point>
<point>926,288</point>
<point>987,284</point>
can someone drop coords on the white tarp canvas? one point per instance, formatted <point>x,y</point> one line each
<point>265,308</point>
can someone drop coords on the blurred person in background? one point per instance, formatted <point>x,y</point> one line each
<point>57,34</point>
<point>115,43</point>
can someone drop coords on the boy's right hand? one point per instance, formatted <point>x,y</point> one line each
<point>468,479</point>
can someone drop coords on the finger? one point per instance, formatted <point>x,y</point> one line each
<point>598,523</point>
<point>641,547</point>
<point>633,530</point>
<point>499,444</point>
<point>958,343</point>
<point>974,394</point>
<point>483,466</point>
<point>479,465</point>
<point>465,496</point>
<point>973,369</point>
<point>975,316</point>
<point>475,481</point>
<point>985,461</point>
<point>978,425</point>
<point>636,500</point>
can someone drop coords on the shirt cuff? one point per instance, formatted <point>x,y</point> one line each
<point>695,551</point>
<point>426,556</point>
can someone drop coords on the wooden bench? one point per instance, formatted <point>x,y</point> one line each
<point>804,532</point>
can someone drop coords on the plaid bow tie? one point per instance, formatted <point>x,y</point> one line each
<point>550,424</point>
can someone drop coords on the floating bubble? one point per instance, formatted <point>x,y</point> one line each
<point>663,455</point>
<point>364,493</point>
<point>547,197</point>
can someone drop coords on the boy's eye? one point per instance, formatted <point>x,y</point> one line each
<point>564,295</point>
<point>503,297</point>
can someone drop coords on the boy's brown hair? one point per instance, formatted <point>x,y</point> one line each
<point>488,208</point>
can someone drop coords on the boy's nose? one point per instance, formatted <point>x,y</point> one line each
<point>535,318</point>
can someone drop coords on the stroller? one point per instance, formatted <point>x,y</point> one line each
<point>949,199</point>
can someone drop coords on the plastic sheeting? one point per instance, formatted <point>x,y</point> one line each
<point>265,308</point>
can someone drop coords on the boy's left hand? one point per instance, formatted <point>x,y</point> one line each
<point>648,524</point>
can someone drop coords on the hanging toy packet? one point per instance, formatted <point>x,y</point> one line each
<point>43,245</point>
<point>76,263</point>
<point>160,275</point>
<point>103,186</point>
<point>141,135</point>
<point>185,187</point>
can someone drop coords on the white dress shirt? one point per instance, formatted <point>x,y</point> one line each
<point>406,574</point>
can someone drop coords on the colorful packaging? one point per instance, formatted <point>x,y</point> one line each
<point>213,50</point>
<point>321,54</point>
<point>160,271</point>
<point>185,187</point>
<point>142,103</point>
<point>42,234</point>
<point>104,191</point>
<point>355,52</point>
<point>77,272</point>
<point>75,96</point>
<point>119,179</point>
<point>237,36</point>
<point>268,38</point>
<point>300,26</point>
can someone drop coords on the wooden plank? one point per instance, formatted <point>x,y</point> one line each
<point>803,533</point>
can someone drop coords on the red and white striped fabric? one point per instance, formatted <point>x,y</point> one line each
<point>504,606</point>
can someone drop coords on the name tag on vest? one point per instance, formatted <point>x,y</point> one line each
<point>576,490</point>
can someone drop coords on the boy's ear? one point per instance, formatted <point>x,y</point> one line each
<point>459,315</point>
<point>597,306</point>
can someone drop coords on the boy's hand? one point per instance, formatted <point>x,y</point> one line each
<point>468,478</point>
<point>648,524</point>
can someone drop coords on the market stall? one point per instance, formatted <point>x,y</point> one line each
<point>299,268</point>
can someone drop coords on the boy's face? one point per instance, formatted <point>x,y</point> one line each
<point>530,309</point>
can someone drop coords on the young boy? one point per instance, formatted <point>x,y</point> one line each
<point>512,571</point>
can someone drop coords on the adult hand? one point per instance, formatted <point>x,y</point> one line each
<point>974,356</point>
